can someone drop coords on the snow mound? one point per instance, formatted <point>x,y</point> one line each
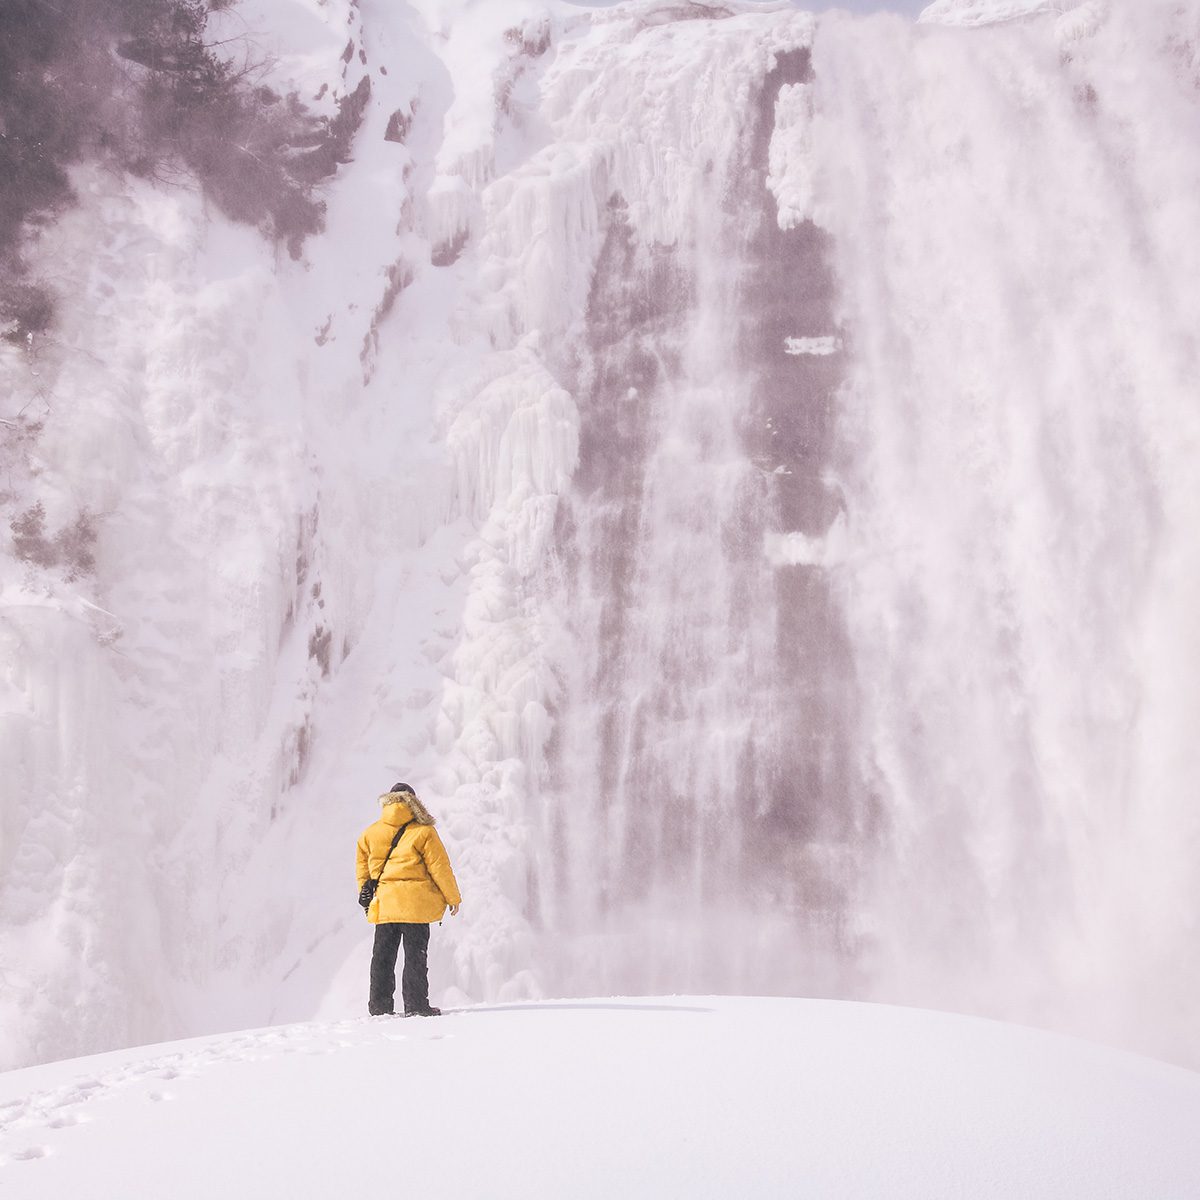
<point>992,12</point>
<point>650,1097</point>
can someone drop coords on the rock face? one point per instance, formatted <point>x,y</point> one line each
<point>739,466</point>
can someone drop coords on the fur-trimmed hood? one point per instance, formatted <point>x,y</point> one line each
<point>419,813</point>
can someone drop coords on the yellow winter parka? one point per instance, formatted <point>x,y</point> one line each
<point>417,882</point>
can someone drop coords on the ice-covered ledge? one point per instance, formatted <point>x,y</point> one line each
<point>992,12</point>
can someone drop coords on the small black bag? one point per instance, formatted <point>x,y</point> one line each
<point>367,892</point>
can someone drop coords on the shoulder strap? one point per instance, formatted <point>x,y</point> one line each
<point>395,840</point>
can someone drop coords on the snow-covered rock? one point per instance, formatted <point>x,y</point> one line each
<point>992,12</point>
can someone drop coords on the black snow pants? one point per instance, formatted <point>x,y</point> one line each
<point>414,984</point>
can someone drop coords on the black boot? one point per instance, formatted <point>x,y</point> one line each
<point>427,1011</point>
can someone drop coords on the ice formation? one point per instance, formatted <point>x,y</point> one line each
<point>991,12</point>
<point>739,465</point>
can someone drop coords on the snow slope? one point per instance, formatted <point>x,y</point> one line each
<point>673,1096</point>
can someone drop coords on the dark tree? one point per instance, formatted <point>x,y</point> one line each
<point>136,83</point>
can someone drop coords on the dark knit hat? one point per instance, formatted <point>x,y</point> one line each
<point>401,787</point>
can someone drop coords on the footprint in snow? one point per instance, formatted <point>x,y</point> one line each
<point>67,1120</point>
<point>46,1108</point>
<point>31,1153</point>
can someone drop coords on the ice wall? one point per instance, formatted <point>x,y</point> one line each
<point>1013,213</point>
<point>695,796</point>
<point>738,465</point>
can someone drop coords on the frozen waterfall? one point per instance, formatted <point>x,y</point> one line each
<point>740,465</point>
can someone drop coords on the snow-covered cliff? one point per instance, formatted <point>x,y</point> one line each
<point>738,465</point>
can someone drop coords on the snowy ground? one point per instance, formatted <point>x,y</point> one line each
<point>664,1097</point>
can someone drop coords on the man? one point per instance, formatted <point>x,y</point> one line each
<point>415,886</point>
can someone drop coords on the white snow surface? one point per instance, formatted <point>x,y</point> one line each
<point>655,1097</point>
